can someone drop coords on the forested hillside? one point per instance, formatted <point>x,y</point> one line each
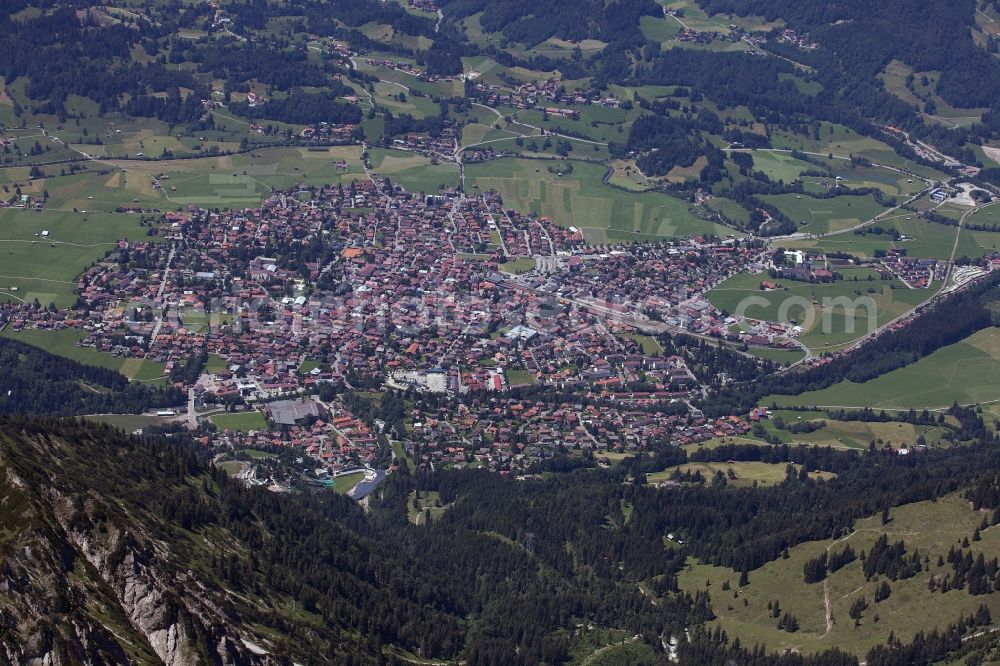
<point>34,381</point>
<point>163,545</point>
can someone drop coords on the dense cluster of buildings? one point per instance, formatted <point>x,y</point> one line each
<point>368,286</point>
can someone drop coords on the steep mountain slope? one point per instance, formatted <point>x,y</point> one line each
<point>84,578</point>
<point>115,549</point>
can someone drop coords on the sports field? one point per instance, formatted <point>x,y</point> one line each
<point>821,216</point>
<point>241,421</point>
<point>582,200</point>
<point>784,356</point>
<point>931,527</point>
<point>46,267</point>
<point>965,372</point>
<point>344,484</point>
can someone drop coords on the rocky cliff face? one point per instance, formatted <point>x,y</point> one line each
<point>84,579</point>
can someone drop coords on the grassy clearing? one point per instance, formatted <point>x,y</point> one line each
<point>696,18</point>
<point>216,364</point>
<point>850,434</point>
<point>581,199</point>
<point>239,421</point>
<point>894,78</point>
<point>658,29</point>
<point>740,474</point>
<point>397,448</point>
<point>64,343</point>
<point>932,527</point>
<point>428,503</point>
<point>398,100</point>
<point>127,422</point>
<point>625,173</point>
<point>964,372</point>
<point>648,343</point>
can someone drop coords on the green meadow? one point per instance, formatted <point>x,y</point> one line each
<point>236,181</point>
<point>920,238</point>
<point>846,315</point>
<point>581,199</point>
<point>822,216</point>
<point>46,268</point>
<point>414,172</point>
<point>849,434</point>
<point>64,342</point>
<point>965,372</point>
<point>931,527</point>
<point>739,474</point>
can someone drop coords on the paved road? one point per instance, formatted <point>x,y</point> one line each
<point>159,295</point>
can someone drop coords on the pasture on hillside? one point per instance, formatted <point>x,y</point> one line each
<point>920,238</point>
<point>238,181</point>
<point>965,372</point>
<point>843,142</point>
<point>740,474</point>
<point>849,434</point>
<point>931,527</point>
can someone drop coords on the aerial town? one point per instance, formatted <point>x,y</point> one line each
<point>350,286</point>
<point>323,290</point>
